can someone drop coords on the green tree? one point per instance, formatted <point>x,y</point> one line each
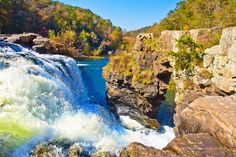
<point>189,54</point>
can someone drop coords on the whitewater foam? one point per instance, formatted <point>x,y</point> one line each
<point>43,92</point>
<point>91,128</point>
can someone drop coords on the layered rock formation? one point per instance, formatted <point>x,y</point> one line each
<point>216,77</point>
<point>205,104</point>
<point>202,35</point>
<point>212,114</point>
<point>128,97</point>
<point>220,60</point>
<point>136,83</point>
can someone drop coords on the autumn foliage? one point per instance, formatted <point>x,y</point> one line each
<point>79,28</point>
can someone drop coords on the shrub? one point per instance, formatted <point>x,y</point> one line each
<point>64,42</point>
<point>153,44</point>
<point>188,56</point>
<point>206,74</point>
<point>170,93</point>
<point>124,64</point>
<point>144,77</point>
<point>188,84</point>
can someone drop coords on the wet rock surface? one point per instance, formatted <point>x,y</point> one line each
<point>102,154</point>
<point>65,149</point>
<point>42,150</point>
<point>59,149</point>
<point>126,102</point>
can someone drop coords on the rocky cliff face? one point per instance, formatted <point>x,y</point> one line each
<point>220,60</point>
<point>131,97</point>
<point>216,76</point>
<point>205,100</point>
<point>205,36</point>
<point>136,82</point>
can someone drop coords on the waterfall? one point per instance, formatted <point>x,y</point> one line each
<point>44,96</point>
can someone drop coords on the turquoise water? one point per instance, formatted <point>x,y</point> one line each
<point>51,97</point>
<point>91,71</point>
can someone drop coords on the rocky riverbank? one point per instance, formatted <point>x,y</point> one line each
<point>205,100</point>
<point>38,43</point>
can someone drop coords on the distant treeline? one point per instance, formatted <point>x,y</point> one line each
<point>192,14</point>
<point>79,28</point>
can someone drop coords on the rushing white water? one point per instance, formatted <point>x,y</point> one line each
<point>44,95</point>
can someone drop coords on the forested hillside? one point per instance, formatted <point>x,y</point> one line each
<point>192,14</point>
<point>79,28</point>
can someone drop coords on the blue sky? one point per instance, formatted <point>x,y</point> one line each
<point>128,14</point>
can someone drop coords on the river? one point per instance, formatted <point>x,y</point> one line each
<point>54,98</point>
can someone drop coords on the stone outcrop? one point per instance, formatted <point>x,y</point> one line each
<point>214,115</point>
<point>133,98</point>
<point>169,37</point>
<point>220,60</point>
<point>189,88</point>
<point>58,148</point>
<point>36,41</point>
<point>42,44</point>
<point>25,39</point>
<point>216,77</point>
<point>46,150</point>
<point>128,102</point>
<point>194,145</point>
<point>205,101</point>
<point>139,45</point>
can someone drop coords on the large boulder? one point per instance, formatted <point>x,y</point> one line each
<point>194,145</point>
<point>212,114</point>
